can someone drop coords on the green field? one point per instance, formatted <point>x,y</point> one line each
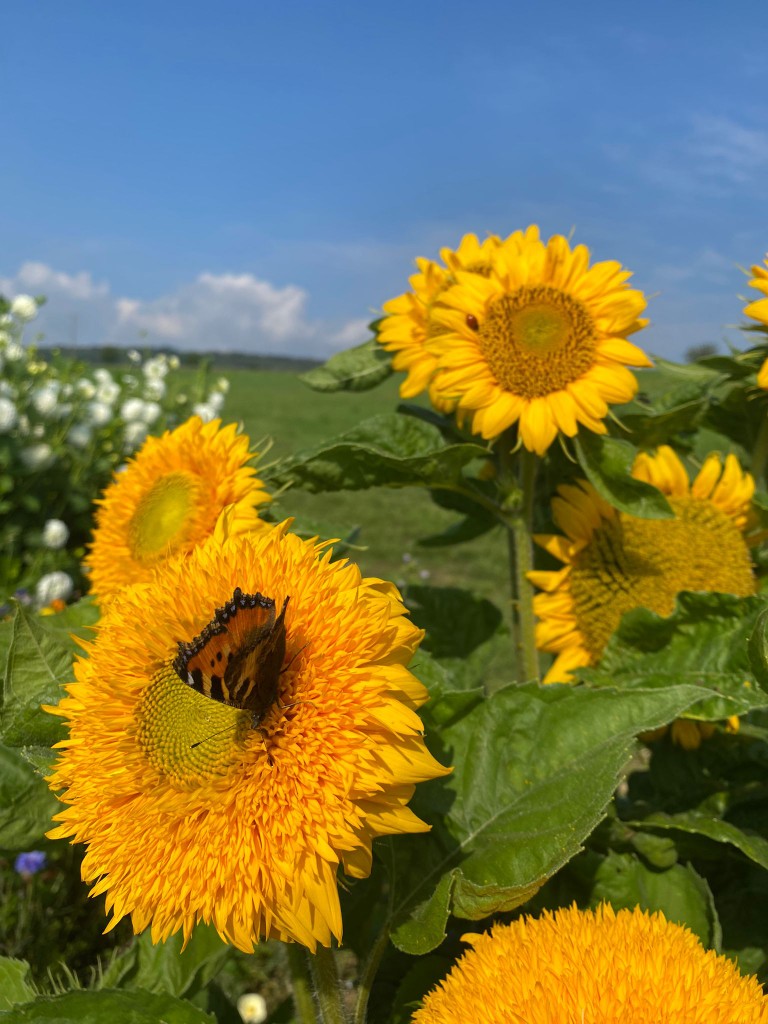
<point>390,521</point>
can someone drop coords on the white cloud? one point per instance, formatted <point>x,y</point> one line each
<point>218,312</point>
<point>353,333</point>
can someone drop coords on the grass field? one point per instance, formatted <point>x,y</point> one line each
<point>390,521</point>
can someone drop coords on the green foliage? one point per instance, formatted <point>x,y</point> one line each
<point>356,369</point>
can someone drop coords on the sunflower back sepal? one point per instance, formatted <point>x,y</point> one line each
<point>355,369</point>
<point>607,463</point>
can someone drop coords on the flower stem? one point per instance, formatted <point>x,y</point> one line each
<point>368,973</point>
<point>518,480</point>
<point>301,982</point>
<point>327,990</point>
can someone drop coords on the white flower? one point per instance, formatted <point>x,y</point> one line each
<point>99,413</point>
<point>215,400</point>
<point>204,411</point>
<point>102,376</point>
<point>151,412</point>
<point>8,415</point>
<point>129,381</point>
<point>174,362</point>
<point>134,356</point>
<point>222,385</point>
<point>45,398</point>
<point>252,1008</point>
<point>107,392</point>
<point>23,425</point>
<point>66,391</point>
<point>24,307</point>
<point>7,389</point>
<point>156,368</point>
<point>132,409</point>
<point>55,534</point>
<point>54,586</point>
<point>134,434</point>
<point>38,430</point>
<point>14,352</point>
<point>86,387</point>
<point>79,435</point>
<point>37,456</point>
<point>154,388</point>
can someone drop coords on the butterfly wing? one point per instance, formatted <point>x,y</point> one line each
<point>238,656</point>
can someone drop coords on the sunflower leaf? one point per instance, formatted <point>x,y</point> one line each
<point>534,772</point>
<point>679,892</point>
<point>356,369</point>
<point>384,451</point>
<point>607,463</point>
<point>15,984</point>
<point>38,663</point>
<point>703,642</point>
<point>703,822</point>
<point>26,803</point>
<point>757,648</point>
<point>89,1007</point>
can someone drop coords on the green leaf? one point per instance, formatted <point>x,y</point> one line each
<point>78,618</point>
<point>463,530</point>
<point>15,985</point>
<point>703,823</point>
<point>534,771</point>
<point>703,642</point>
<point>163,967</point>
<point>757,648</point>
<point>88,1007</point>
<point>356,369</point>
<point>387,450</point>
<point>607,463</point>
<point>456,620</point>
<point>38,664</point>
<point>679,892</point>
<point>26,803</point>
<point>653,428</point>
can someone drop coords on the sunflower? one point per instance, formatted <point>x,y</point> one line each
<point>168,498</point>
<point>758,310</point>
<point>409,324</point>
<point>600,967</point>
<point>615,562</point>
<point>539,341</point>
<point>188,812</point>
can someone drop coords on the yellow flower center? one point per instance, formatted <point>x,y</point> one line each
<point>162,518</point>
<point>630,563</point>
<point>537,340</point>
<point>186,736</point>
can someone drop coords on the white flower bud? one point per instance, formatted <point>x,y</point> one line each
<point>55,534</point>
<point>99,413</point>
<point>8,415</point>
<point>54,586</point>
<point>252,1008</point>
<point>79,435</point>
<point>37,456</point>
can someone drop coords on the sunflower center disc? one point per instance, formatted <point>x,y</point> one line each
<point>184,735</point>
<point>632,563</point>
<point>537,340</point>
<point>161,520</point>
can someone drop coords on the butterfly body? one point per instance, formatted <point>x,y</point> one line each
<point>238,657</point>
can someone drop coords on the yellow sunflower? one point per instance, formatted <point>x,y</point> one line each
<point>168,499</point>
<point>593,967</point>
<point>615,562</point>
<point>758,310</point>
<point>539,341</point>
<point>189,813</point>
<point>409,324</point>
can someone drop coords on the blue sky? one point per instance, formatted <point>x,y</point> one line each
<point>261,175</point>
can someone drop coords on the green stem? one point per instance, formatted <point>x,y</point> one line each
<point>517,478</point>
<point>368,973</point>
<point>301,984</point>
<point>760,452</point>
<point>327,990</point>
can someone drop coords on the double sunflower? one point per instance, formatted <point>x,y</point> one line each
<point>518,332</point>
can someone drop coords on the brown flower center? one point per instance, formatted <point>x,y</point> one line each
<point>162,518</point>
<point>537,340</point>
<point>632,563</point>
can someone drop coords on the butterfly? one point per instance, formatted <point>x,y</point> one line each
<point>238,657</point>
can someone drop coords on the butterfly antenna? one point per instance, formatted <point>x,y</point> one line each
<point>218,733</point>
<point>295,656</point>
